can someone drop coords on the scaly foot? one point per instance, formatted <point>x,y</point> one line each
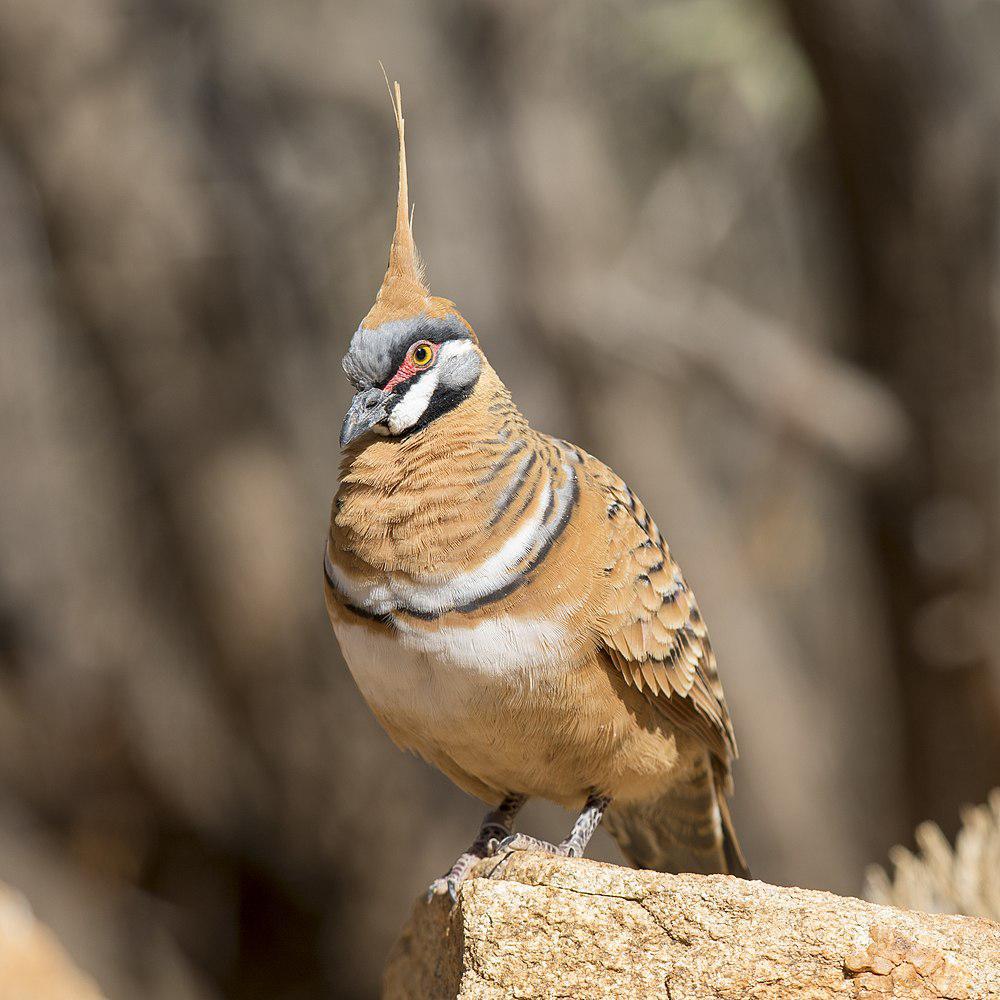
<point>459,873</point>
<point>496,824</point>
<point>524,842</point>
<point>574,845</point>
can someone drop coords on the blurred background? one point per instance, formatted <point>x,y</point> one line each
<point>744,251</point>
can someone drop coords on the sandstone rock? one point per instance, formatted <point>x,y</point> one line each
<point>529,926</point>
<point>33,965</point>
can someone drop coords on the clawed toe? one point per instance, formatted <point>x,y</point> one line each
<point>507,844</point>
<point>459,872</point>
<point>441,886</point>
<point>523,842</point>
<point>494,839</point>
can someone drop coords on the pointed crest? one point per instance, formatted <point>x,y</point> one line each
<point>403,292</point>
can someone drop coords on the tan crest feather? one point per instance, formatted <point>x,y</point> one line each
<point>403,291</point>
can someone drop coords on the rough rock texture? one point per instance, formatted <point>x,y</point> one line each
<point>33,966</point>
<point>532,926</point>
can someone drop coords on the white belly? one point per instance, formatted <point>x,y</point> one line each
<point>460,695</point>
<point>511,706</point>
<point>432,677</point>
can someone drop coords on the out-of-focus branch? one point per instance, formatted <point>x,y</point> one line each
<point>687,325</point>
<point>912,136</point>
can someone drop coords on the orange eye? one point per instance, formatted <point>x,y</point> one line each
<point>423,355</point>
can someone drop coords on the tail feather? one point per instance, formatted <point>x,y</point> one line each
<point>687,829</point>
<point>736,863</point>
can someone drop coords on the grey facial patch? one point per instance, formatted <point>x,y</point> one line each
<point>375,354</point>
<point>459,366</point>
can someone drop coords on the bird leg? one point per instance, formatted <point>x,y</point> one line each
<point>575,844</point>
<point>496,824</point>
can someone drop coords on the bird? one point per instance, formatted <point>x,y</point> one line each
<point>507,606</point>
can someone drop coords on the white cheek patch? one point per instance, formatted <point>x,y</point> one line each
<point>411,407</point>
<point>414,401</point>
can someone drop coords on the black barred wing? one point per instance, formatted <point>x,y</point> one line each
<point>652,629</point>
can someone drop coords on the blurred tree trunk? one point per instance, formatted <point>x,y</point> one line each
<point>913,142</point>
<point>185,555</point>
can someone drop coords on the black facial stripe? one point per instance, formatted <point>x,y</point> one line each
<point>445,398</point>
<point>407,383</point>
<point>434,334</point>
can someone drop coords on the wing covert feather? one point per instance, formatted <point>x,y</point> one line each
<point>652,629</point>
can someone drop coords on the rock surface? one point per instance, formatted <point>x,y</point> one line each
<point>530,926</point>
<point>33,965</point>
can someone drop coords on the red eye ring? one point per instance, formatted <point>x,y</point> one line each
<point>419,358</point>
